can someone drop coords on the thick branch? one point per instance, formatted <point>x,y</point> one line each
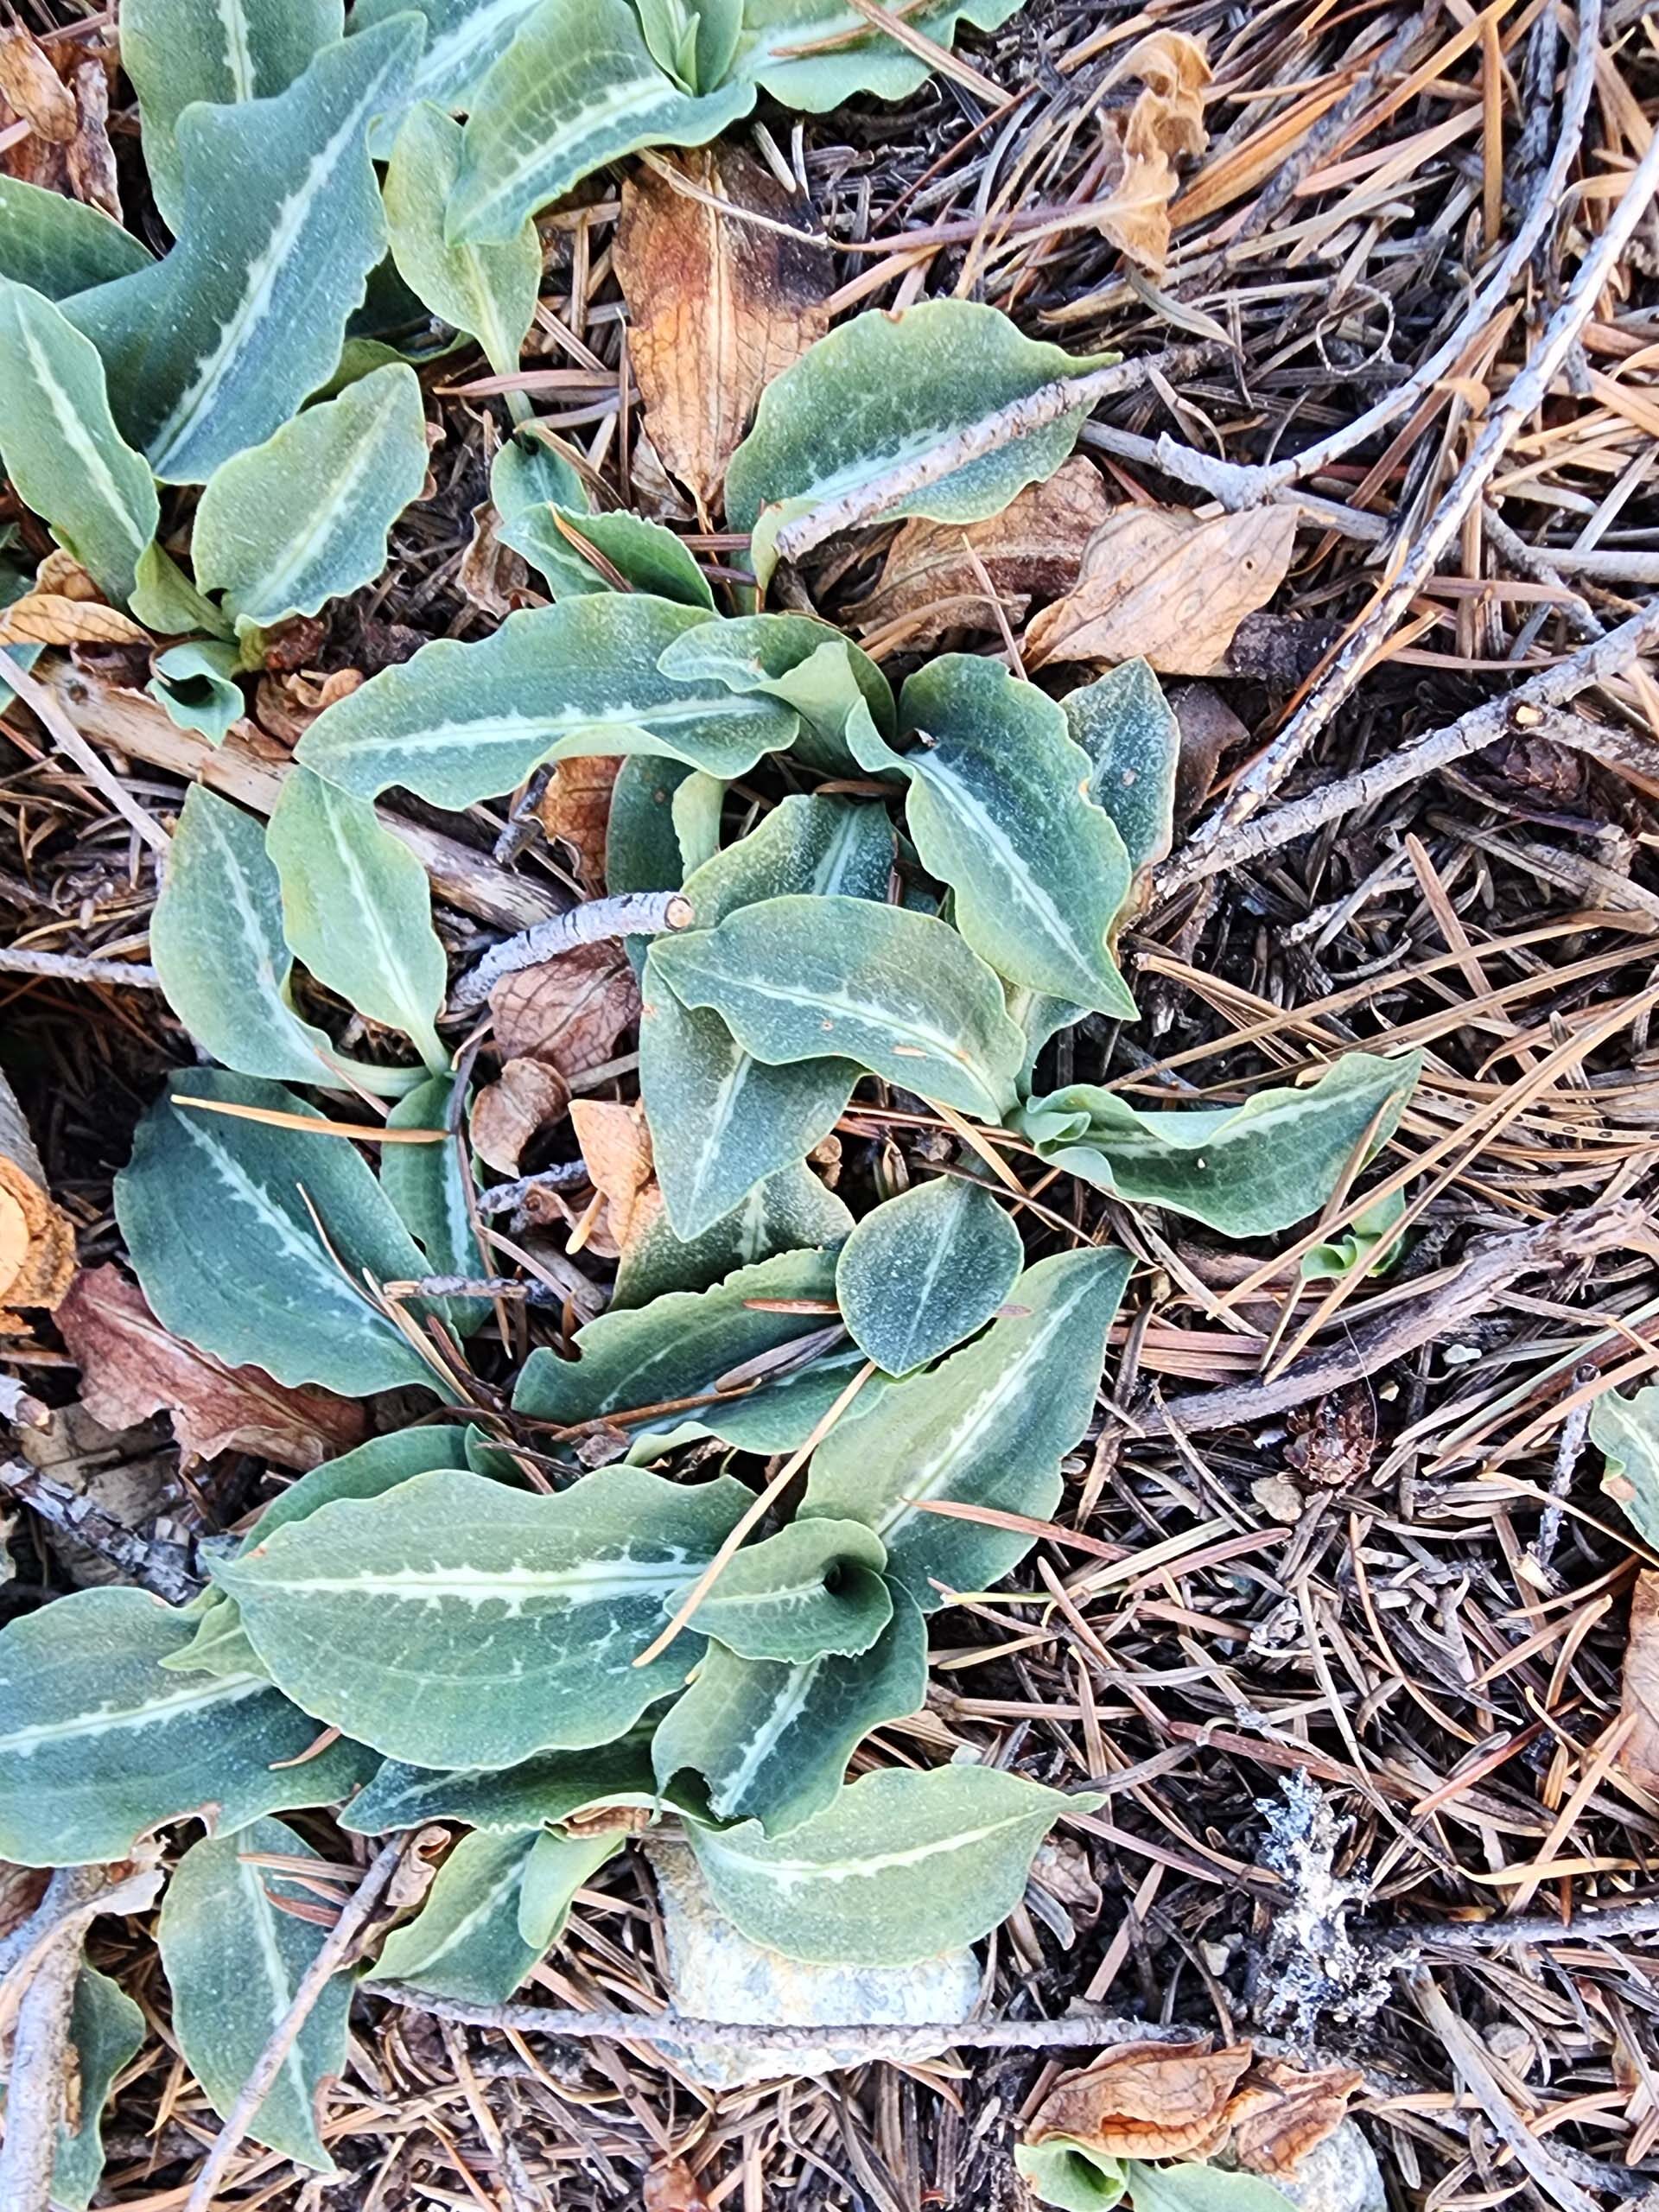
<point>633,913</point>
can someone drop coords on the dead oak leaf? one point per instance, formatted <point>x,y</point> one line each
<point>567,1013</point>
<point>1144,2101</point>
<point>1033,550</point>
<point>132,1366</point>
<point>510,1113</point>
<point>717,306</point>
<point>1281,2111</point>
<point>575,811</point>
<point>1639,1757</point>
<point>1160,582</point>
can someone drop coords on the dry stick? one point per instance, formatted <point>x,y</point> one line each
<point>1493,1262</point>
<point>78,968</point>
<point>1238,486</point>
<point>52,718</point>
<point>633,913</point>
<point>1462,2047</point>
<point>34,2101</point>
<point>1540,564</point>
<point>1480,727</point>
<point>1523,399</point>
<point>329,1958</point>
<point>1065,395</point>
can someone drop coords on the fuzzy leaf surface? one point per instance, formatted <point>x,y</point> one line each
<point>927,1270</point>
<point>488,291</point>
<point>533,1795</point>
<point>59,246</point>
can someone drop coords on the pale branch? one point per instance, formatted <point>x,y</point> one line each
<point>330,1958</point>
<point>563,1175</point>
<point>49,711</point>
<point>633,913</point>
<point>77,968</point>
<point>1525,395</point>
<point>161,1564</point>
<point>40,2052</point>
<point>1492,1264</point>
<point>1482,726</point>
<point>1049,402</point>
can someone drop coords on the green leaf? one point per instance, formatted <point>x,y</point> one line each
<point>215,347</point>
<point>647,556</point>
<point>216,939</point>
<point>1246,1170</point>
<point>464,1943</point>
<point>885,389</point>
<point>529,1795</point>
<point>303,518</point>
<point>777,1417</point>
<point>679,1346</point>
<point>1357,1245</point>
<point>771,1740</point>
<point>107,2031</point>
<point>487,291</point>
<point>1200,2188</point>
<point>357,909</point>
<point>98,1744</point>
<point>193,682</point>
<point>693,41</point>
<point>464,40</point>
<point>222,51</point>
<point>62,451</point>
<point>1070,2175</point>
<point>987,1429</point>
<point>454,1622</point>
<point>925,1270</point>
<point>1626,1432</point>
<point>1127,728</point>
<point>897,993</point>
<point>369,1471</point>
<point>786,1212</point>
<point>216,1211</point>
<point>220,1645</point>
<point>59,246</point>
<point>426,1184</point>
<point>998,808</point>
<point>901,1866</point>
<point>164,600</point>
<point>527,473</point>
<point>814,1588</point>
<point>696,808</point>
<point>722,1121</point>
<point>576,88</point>
<point>461,722</point>
<point>861,60</point>
<point>557,1867</point>
<point>234,1961</point>
<point>805,663</point>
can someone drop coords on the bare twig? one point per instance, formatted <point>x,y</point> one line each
<point>158,1564</point>
<point>1523,399</point>
<point>635,913</point>
<point>78,968</point>
<point>51,717</point>
<point>330,1958</point>
<point>565,1175</point>
<point>1480,727</point>
<point>1492,1264</point>
<point>34,2100</point>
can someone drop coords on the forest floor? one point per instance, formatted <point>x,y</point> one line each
<point>1348,1645</point>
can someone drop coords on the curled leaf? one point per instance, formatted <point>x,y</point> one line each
<point>1281,2111</point>
<point>1144,2101</point>
<point>509,1114</point>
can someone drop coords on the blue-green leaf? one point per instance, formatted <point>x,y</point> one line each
<point>925,1270</point>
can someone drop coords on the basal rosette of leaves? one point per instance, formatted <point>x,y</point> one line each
<point>931,889</point>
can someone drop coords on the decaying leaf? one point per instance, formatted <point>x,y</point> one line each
<point>1165,121</point>
<point>491,574</point>
<point>1159,582</point>
<point>1281,2111</point>
<point>1145,2100</point>
<point>37,1238</point>
<point>62,573</point>
<point>31,86</point>
<point>616,1145</point>
<point>62,94</point>
<point>567,1013</point>
<point>670,2186</point>
<point>132,1366</point>
<point>1033,550</point>
<point>515,1109</point>
<point>717,306</point>
<point>1639,1757</point>
<point>89,155</point>
<point>574,808</point>
<point>50,618</point>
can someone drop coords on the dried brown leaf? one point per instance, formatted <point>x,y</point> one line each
<point>132,1366</point>
<point>30,85</point>
<point>1145,2100</point>
<point>1639,1756</point>
<point>62,573</point>
<point>575,811</point>
<point>508,1113</point>
<point>1281,2111</point>
<point>1165,121</point>
<point>717,306</point>
<point>1033,549</point>
<point>616,1144</point>
<point>1160,582</point>
<point>49,618</point>
<point>37,1245</point>
<point>569,1012</point>
<point>491,574</point>
<point>89,154</point>
<point>672,2187</point>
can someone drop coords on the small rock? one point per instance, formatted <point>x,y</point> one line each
<point>1339,2175</point>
